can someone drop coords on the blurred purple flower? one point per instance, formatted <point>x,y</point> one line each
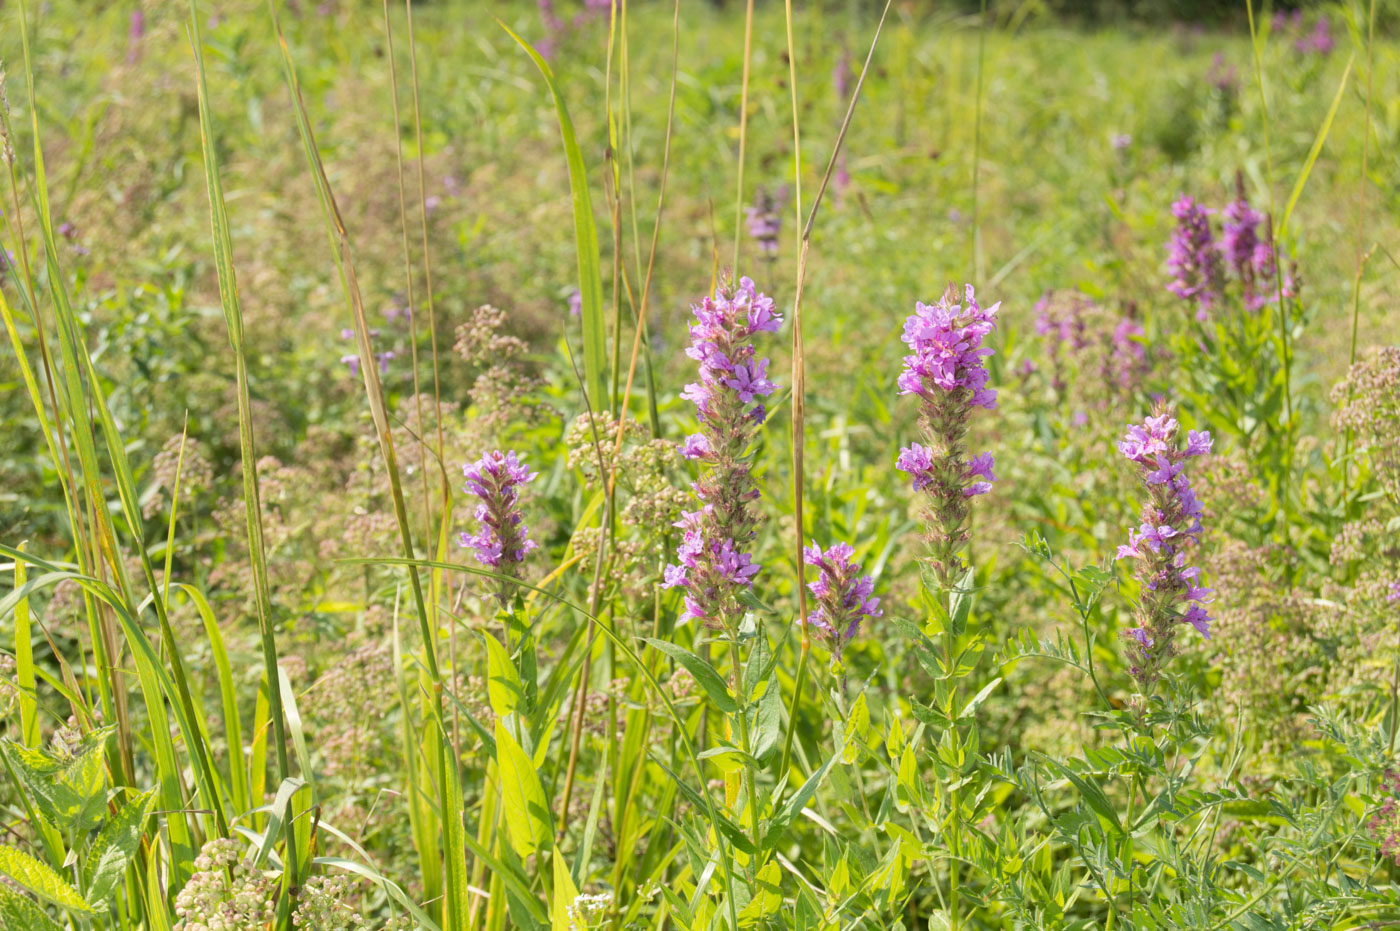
<point>1193,257</point>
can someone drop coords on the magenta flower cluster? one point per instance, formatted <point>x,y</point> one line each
<point>1246,249</point>
<point>502,541</point>
<point>945,370</point>
<point>712,564</point>
<point>1193,258</point>
<point>1171,523</point>
<point>843,595</point>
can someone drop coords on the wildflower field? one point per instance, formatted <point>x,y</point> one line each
<point>686,465</point>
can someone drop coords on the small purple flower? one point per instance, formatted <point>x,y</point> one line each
<point>843,595</point>
<point>696,446</point>
<point>383,358</point>
<point>1121,141</point>
<point>1193,257</point>
<point>353,361</point>
<point>1222,75</point>
<point>917,461</point>
<point>575,303</point>
<point>502,541</point>
<point>135,32</point>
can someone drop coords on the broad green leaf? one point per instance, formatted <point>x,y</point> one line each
<point>18,912</point>
<point>114,847</point>
<point>526,810</point>
<point>40,879</point>
<point>503,687</point>
<point>768,897</point>
<point>705,674</point>
<point>69,794</point>
<point>565,892</point>
<point>769,722</point>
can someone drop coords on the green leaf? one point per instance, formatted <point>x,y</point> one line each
<point>769,722</point>
<point>768,898</point>
<point>977,699</point>
<point>529,823</point>
<point>503,687</point>
<point>590,279</point>
<point>1093,795</point>
<point>71,794</point>
<point>19,912</point>
<point>799,800</point>
<point>705,674</point>
<point>565,892</point>
<point>114,847</point>
<point>40,879</point>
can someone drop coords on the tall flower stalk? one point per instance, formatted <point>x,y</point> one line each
<point>713,565</point>
<point>502,541</point>
<point>1171,524</point>
<point>945,370</point>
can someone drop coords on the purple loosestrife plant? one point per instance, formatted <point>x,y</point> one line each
<point>1194,258</point>
<point>842,594</point>
<point>1171,524</point>
<point>765,221</point>
<point>502,541</point>
<point>945,370</point>
<point>712,564</point>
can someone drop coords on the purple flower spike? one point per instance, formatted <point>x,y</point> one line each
<point>945,369</point>
<point>765,220</point>
<point>843,595</point>
<point>1193,258</point>
<point>502,541</point>
<point>1171,524</point>
<point>712,565</point>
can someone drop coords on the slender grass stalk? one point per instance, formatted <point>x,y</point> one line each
<point>976,231</point>
<point>1269,166</point>
<point>233,318</point>
<point>744,127</point>
<point>408,269</point>
<point>1360,236</point>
